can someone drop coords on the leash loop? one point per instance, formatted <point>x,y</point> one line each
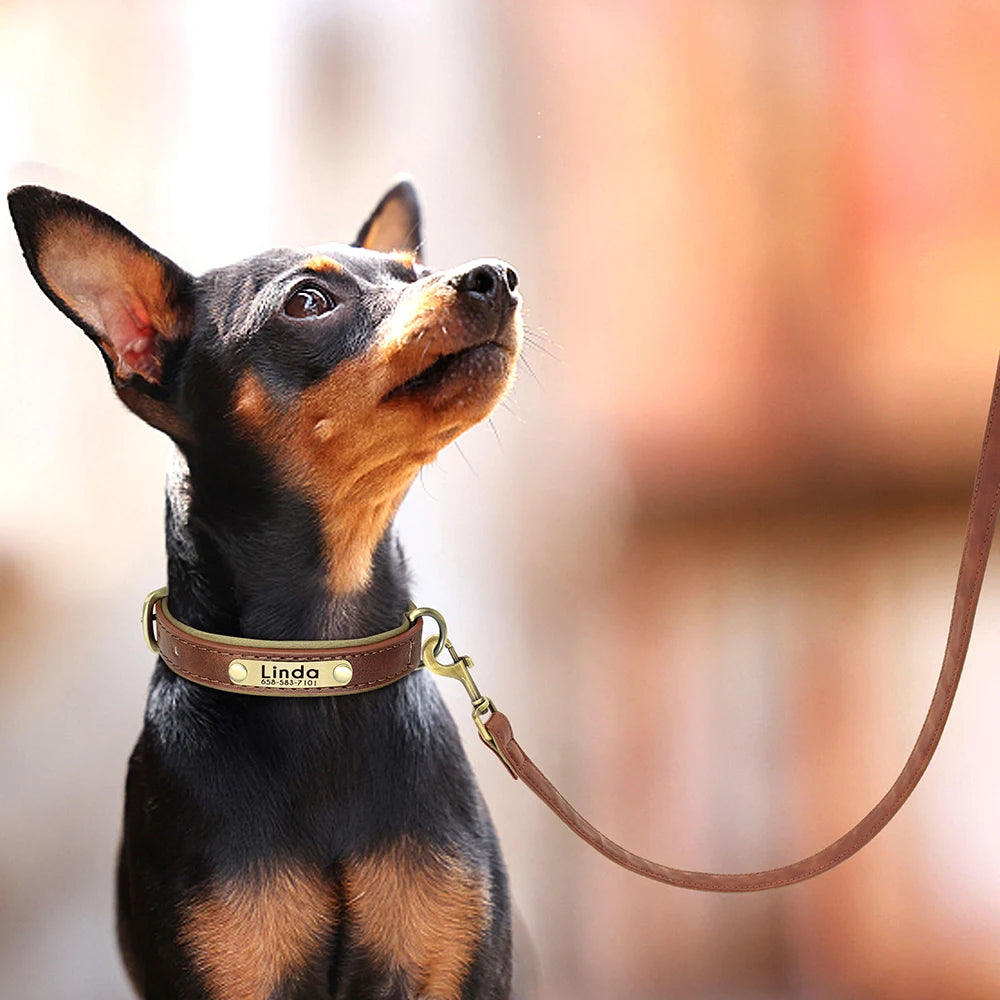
<point>482,712</point>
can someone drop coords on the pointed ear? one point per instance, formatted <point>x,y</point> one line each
<point>134,303</point>
<point>395,223</point>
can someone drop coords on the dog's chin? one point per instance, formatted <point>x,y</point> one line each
<point>459,368</point>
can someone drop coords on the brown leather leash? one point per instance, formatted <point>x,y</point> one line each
<point>297,659</point>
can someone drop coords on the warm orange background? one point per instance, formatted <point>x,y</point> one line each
<point>720,516</point>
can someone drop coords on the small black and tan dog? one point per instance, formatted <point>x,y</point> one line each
<point>280,848</point>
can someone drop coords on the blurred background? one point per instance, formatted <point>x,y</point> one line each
<point>722,511</point>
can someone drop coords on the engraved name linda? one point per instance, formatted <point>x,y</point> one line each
<point>271,672</point>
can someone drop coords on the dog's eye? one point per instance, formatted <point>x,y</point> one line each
<point>307,302</point>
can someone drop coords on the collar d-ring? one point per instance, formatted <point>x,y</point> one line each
<point>414,614</point>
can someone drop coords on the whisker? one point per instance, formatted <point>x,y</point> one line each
<point>424,485</point>
<point>531,370</point>
<point>541,347</point>
<point>510,409</point>
<point>467,462</point>
<point>538,333</point>
<point>539,337</point>
<point>496,433</point>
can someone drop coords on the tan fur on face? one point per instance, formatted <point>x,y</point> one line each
<point>355,454</point>
<point>407,259</point>
<point>248,934</point>
<point>321,263</point>
<point>420,912</point>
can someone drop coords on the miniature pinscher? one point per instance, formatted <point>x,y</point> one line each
<point>283,848</point>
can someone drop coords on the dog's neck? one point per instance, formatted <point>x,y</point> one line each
<point>245,558</point>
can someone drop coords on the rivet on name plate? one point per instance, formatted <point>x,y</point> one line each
<point>342,673</point>
<point>237,672</point>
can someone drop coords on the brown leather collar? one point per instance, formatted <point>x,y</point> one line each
<point>296,669</point>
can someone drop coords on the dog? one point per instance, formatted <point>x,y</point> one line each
<point>278,848</point>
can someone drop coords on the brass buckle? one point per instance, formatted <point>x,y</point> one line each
<point>149,616</point>
<point>460,670</point>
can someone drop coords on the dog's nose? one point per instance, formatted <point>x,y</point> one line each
<point>491,282</point>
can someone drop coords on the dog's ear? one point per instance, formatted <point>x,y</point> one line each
<point>136,305</point>
<point>395,223</point>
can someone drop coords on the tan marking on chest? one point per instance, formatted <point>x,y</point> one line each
<point>246,935</point>
<point>420,912</point>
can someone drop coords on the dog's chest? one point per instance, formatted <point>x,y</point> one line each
<point>412,915</point>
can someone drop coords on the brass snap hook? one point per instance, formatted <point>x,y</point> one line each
<point>458,669</point>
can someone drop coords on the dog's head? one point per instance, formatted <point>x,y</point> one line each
<point>343,368</point>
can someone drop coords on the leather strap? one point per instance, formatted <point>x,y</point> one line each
<point>979,535</point>
<point>296,669</point>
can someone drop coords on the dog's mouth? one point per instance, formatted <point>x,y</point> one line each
<point>483,364</point>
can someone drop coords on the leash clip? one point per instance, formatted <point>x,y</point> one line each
<point>460,670</point>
